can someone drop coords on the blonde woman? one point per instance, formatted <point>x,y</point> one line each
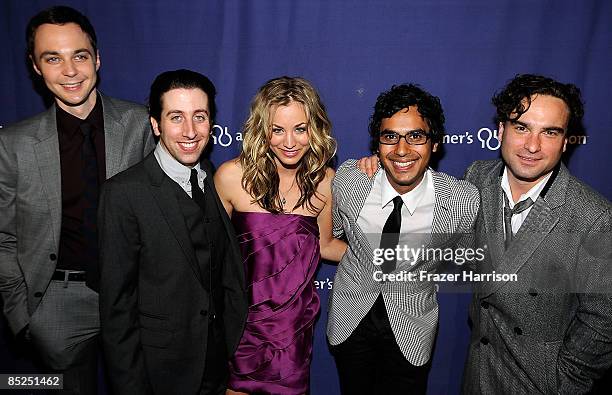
<point>278,193</point>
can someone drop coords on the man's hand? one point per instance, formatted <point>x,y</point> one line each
<point>368,165</point>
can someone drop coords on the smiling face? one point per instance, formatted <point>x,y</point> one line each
<point>64,57</point>
<point>532,145</point>
<point>289,134</point>
<point>184,125</point>
<point>405,164</point>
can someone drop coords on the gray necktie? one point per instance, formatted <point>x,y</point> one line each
<point>509,212</point>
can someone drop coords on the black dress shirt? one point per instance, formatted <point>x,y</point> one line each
<point>72,241</point>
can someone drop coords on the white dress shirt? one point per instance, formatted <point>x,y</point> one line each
<point>417,212</point>
<point>177,171</point>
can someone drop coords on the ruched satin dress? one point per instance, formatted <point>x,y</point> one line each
<point>280,254</point>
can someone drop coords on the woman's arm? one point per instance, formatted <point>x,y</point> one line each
<point>332,249</point>
<point>227,179</point>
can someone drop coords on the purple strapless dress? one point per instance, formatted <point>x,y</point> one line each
<point>281,254</point>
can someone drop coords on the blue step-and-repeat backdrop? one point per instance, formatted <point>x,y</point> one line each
<point>351,50</point>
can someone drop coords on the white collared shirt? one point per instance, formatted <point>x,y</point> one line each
<point>177,171</point>
<point>533,193</point>
<point>417,211</point>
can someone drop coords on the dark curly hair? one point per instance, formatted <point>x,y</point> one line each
<point>404,96</point>
<point>515,99</point>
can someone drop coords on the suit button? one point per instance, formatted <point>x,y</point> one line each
<point>533,292</point>
<point>38,294</point>
<point>203,313</point>
<point>518,331</point>
<point>484,304</point>
<point>484,340</point>
<point>53,257</point>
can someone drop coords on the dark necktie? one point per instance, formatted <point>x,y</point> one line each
<point>390,234</point>
<point>196,192</point>
<point>90,200</point>
<point>509,212</point>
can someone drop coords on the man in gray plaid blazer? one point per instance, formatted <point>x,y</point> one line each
<point>550,331</point>
<point>382,328</point>
<point>51,168</point>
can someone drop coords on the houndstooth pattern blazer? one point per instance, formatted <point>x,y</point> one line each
<point>411,305</point>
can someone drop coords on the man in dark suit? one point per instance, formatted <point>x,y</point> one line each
<point>550,330</point>
<point>382,329</point>
<point>51,169</point>
<point>172,297</point>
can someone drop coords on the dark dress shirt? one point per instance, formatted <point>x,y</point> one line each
<point>73,244</point>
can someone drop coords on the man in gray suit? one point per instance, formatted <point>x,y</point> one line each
<point>51,169</point>
<point>381,326</point>
<point>550,331</point>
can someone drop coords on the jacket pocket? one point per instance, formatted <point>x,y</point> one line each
<point>146,314</point>
<point>154,330</point>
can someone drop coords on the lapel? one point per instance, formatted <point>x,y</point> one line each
<point>48,161</point>
<point>362,186</point>
<point>442,227</point>
<point>537,226</point>
<point>163,192</point>
<point>114,134</point>
<point>229,228</point>
<point>492,209</point>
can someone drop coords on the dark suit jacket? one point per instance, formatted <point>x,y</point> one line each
<point>31,197</point>
<point>550,331</point>
<point>153,306</point>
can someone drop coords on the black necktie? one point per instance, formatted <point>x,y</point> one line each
<point>390,234</point>
<point>509,212</point>
<point>90,198</point>
<point>196,191</point>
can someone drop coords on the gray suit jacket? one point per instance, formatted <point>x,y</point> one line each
<point>31,201</point>
<point>411,305</point>
<point>550,331</point>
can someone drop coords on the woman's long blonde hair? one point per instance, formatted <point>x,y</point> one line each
<point>260,176</point>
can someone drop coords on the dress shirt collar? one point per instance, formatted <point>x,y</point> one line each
<point>178,172</point>
<point>411,199</point>
<point>69,125</point>
<point>533,193</point>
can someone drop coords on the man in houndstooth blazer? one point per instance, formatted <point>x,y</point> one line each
<point>381,332</point>
<point>550,331</point>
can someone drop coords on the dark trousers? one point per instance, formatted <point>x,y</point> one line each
<point>216,370</point>
<point>370,361</point>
